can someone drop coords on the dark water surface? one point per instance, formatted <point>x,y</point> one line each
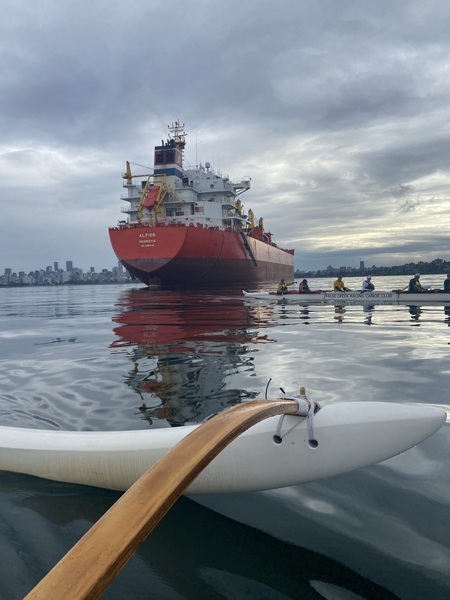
<point>124,357</point>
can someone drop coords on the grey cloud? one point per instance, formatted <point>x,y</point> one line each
<point>338,111</point>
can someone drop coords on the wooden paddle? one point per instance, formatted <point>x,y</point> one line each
<point>91,565</point>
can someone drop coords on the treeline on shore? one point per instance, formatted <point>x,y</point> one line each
<point>435,267</point>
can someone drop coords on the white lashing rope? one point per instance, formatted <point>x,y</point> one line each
<point>306,408</point>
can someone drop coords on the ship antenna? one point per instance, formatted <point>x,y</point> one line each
<point>178,134</point>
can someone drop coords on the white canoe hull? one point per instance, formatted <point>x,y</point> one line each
<point>350,435</point>
<point>349,297</point>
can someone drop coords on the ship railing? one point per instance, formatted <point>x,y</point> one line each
<point>216,224</point>
<point>200,167</point>
<point>136,224</point>
<point>129,198</point>
<point>210,197</point>
<point>243,185</point>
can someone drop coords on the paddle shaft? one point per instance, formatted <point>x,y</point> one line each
<point>90,566</point>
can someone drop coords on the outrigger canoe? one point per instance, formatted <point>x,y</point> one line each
<point>274,453</point>
<point>393,297</point>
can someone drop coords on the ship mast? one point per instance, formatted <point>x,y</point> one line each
<point>177,134</point>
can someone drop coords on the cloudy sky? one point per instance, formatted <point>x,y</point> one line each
<point>339,111</point>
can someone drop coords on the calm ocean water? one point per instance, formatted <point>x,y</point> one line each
<point>124,357</point>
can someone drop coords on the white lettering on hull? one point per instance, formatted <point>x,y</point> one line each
<point>147,240</point>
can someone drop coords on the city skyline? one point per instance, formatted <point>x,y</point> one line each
<point>55,266</point>
<point>54,275</point>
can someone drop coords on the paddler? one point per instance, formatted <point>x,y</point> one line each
<point>303,288</point>
<point>339,286</point>
<point>447,284</point>
<point>283,286</point>
<point>415,285</point>
<point>367,285</point>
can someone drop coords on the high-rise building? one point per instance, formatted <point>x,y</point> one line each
<point>55,267</point>
<point>69,265</point>
<point>361,265</point>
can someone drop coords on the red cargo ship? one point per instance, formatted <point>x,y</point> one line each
<point>187,226</point>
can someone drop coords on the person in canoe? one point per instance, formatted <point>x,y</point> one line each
<point>367,285</point>
<point>283,287</point>
<point>339,286</point>
<point>303,288</point>
<point>447,284</point>
<point>415,285</point>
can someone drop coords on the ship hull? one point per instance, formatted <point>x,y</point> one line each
<point>183,255</point>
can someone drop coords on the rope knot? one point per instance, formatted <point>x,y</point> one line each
<point>306,408</point>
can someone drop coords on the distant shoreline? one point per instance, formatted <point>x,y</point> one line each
<point>372,272</point>
<point>71,283</point>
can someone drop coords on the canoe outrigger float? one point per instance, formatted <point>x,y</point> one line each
<point>393,297</point>
<point>236,450</point>
<point>271,454</point>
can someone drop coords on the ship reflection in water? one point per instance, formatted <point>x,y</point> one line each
<point>187,352</point>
